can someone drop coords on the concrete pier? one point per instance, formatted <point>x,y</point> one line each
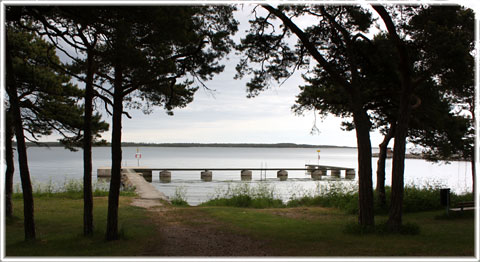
<point>105,172</point>
<point>165,176</point>
<point>144,189</point>
<point>350,174</point>
<point>206,175</point>
<point>335,173</point>
<point>246,175</point>
<point>317,174</point>
<point>282,174</point>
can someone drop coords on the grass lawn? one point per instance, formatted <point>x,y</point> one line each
<point>299,231</point>
<point>321,232</point>
<point>59,225</point>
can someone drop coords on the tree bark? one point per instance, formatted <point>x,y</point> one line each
<point>398,167</point>
<point>87,150</point>
<point>365,185</point>
<point>382,157</point>
<point>9,159</point>
<point>473,173</point>
<point>113,196</point>
<point>472,158</point>
<point>28,205</point>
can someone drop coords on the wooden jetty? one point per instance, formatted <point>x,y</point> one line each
<point>206,174</point>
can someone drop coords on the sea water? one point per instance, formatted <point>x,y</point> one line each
<point>58,164</point>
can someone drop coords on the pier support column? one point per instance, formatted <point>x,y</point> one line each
<point>335,173</point>
<point>146,173</point>
<point>282,174</point>
<point>317,174</point>
<point>206,175</point>
<point>350,174</point>
<point>165,176</point>
<point>103,172</point>
<point>310,169</point>
<point>246,175</point>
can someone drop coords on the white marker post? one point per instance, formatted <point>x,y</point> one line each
<point>318,160</point>
<point>138,155</point>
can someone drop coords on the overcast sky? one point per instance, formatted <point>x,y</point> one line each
<point>227,116</point>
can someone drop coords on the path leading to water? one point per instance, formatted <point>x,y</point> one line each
<point>181,232</point>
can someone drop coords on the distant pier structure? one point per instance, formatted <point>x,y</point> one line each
<point>317,172</point>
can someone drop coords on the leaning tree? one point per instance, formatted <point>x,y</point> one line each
<point>332,41</point>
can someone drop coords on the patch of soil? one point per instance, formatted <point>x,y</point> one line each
<point>190,234</point>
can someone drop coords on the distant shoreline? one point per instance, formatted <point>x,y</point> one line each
<point>254,145</point>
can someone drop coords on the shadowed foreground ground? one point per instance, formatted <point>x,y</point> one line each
<point>152,229</point>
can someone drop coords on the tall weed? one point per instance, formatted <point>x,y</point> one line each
<point>180,197</point>
<point>245,195</point>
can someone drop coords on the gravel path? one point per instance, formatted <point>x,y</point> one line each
<point>184,233</point>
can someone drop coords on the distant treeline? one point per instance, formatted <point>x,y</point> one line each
<point>132,144</point>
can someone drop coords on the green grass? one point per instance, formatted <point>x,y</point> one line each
<point>324,233</point>
<point>304,230</point>
<point>71,188</point>
<point>59,224</point>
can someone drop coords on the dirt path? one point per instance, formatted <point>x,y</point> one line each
<point>184,232</point>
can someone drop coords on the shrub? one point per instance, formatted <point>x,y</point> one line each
<point>179,197</point>
<point>245,195</point>
<point>333,194</point>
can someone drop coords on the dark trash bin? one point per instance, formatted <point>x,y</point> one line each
<point>445,196</point>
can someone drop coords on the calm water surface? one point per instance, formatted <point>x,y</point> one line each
<point>57,164</point>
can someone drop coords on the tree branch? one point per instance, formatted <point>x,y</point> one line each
<point>334,74</point>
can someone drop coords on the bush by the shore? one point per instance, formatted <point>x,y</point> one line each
<point>416,199</point>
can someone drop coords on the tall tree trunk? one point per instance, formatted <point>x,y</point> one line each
<point>9,159</point>
<point>382,158</point>
<point>87,151</point>
<point>113,196</point>
<point>473,173</point>
<point>405,68</point>
<point>472,158</point>
<point>365,184</point>
<point>398,162</point>
<point>28,206</point>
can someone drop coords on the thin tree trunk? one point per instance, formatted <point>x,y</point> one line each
<point>382,157</point>
<point>113,196</point>
<point>473,173</point>
<point>398,162</point>
<point>365,184</point>
<point>9,159</point>
<point>87,151</point>
<point>472,159</point>
<point>28,205</point>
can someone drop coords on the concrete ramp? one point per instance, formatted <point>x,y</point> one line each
<point>144,189</point>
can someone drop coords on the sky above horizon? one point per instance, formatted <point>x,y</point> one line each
<point>226,115</point>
